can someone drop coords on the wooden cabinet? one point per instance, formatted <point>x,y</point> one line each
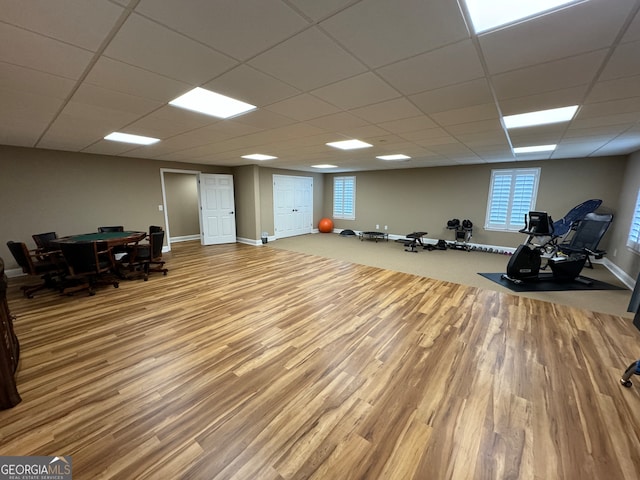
<point>9,349</point>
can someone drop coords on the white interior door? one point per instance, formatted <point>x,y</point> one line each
<point>292,205</point>
<point>217,209</point>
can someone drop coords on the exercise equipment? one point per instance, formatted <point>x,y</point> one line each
<point>414,240</point>
<point>325,225</point>
<point>568,257</point>
<point>566,225</point>
<point>563,226</point>
<point>633,369</point>
<point>462,232</point>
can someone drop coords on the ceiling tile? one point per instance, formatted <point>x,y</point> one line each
<point>628,142</point>
<point>318,10</point>
<point>239,29</point>
<point>613,107</point>
<point>102,97</point>
<point>118,76</point>
<point>584,149</point>
<point>26,80</point>
<point>475,92</point>
<point>603,120</point>
<point>480,126</point>
<point>193,138</point>
<point>357,91</point>
<point>610,131</point>
<point>625,62</point>
<point>425,134</point>
<point>262,118</point>
<point>387,111</point>
<point>548,77</point>
<point>106,147</point>
<point>361,133</point>
<point>543,101</point>
<point>407,125</point>
<point>302,107</point>
<point>152,47</point>
<point>79,125</point>
<point>64,20</point>
<point>27,49</point>
<point>633,32</point>
<point>554,36</point>
<point>295,61</point>
<point>25,117</point>
<point>381,32</point>
<point>615,89</point>
<point>436,141</point>
<point>465,115</point>
<point>168,121</point>
<point>492,138</point>
<point>445,66</point>
<point>338,121</point>
<point>539,135</point>
<point>250,85</point>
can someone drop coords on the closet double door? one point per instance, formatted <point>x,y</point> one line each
<point>293,205</point>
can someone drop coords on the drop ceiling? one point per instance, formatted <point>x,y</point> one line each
<point>407,76</point>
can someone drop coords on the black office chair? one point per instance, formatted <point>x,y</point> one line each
<point>143,258</point>
<point>43,241</point>
<point>115,228</point>
<point>118,228</point>
<point>39,264</point>
<point>90,264</point>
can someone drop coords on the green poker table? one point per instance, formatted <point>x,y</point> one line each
<point>111,238</point>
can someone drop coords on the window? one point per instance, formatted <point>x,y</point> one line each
<point>633,242</point>
<point>344,198</point>
<point>512,194</point>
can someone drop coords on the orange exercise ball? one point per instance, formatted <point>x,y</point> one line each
<point>325,225</point>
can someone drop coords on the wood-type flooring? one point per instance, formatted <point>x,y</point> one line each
<point>253,363</point>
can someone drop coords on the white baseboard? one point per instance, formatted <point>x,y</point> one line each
<point>185,238</point>
<point>14,272</point>
<point>249,241</point>
<point>619,273</point>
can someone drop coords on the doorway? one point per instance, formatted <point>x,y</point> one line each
<point>180,204</point>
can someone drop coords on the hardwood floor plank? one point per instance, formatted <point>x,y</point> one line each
<point>253,362</point>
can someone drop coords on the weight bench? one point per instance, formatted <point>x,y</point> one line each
<point>414,240</point>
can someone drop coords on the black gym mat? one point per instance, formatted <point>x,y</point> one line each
<point>550,285</point>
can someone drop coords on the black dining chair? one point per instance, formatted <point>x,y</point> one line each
<point>114,228</point>
<point>90,264</point>
<point>44,241</point>
<point>37,264</point>
<point>144,258</point>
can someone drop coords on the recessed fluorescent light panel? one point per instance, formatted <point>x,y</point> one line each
<point>128,138</point>
<point>258,156</point>
<point>490,14</point>
<point>324,165</point>
<point>535,149</point>
<point>211,103</point>
<point>398,156</point>
<point>542,117</point>
<point>349,144</point>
